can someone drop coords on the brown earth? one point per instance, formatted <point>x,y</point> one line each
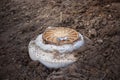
<point>23,20</point>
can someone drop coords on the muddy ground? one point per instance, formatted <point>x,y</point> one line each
<point>98,20</point>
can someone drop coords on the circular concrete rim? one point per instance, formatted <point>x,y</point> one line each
<point>66,48</point>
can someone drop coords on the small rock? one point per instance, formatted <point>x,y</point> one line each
<point>92,32</point>
<point>100,41</point>
<point>107,6</point>
<point>109,16</point>
<point>104,22</point>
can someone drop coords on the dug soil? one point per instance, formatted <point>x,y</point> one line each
<point>98,20</point>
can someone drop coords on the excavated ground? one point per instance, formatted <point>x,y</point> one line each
<point>22,20</point>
